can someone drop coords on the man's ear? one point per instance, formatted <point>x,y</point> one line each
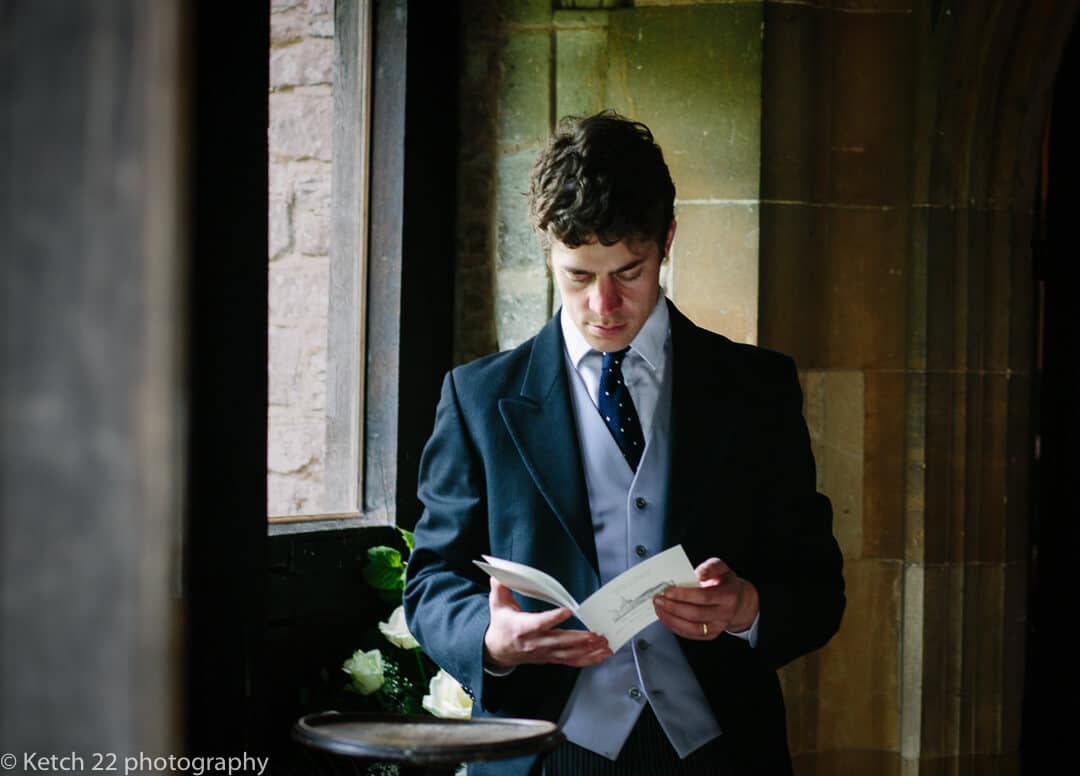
<point>670,239</point>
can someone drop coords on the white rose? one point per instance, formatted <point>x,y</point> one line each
<point>397,632</point>
<point>366,670</point>
<point>446,698</point>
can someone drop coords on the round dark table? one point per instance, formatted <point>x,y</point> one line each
<point>425,745</point>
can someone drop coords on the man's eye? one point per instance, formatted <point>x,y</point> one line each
<point>633,274</point>
<point>579,280</point>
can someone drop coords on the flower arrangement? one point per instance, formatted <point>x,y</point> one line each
<point>394,676</point>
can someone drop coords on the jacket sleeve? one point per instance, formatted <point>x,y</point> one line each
<point>446,596</point>
<point>799,575</point>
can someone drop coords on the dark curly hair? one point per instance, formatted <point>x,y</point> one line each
<point>601,178</point>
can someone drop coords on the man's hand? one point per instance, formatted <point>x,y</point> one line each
<point>515,637</point>
<point>724,602</point>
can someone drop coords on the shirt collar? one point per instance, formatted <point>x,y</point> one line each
<point>649,342</point>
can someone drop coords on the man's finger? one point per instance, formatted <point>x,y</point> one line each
<point>691,610</point>
<point>501,596</point>
<point>549,619</point>
<point>712,595</point>
<point>713,568</point>
<point>690,629</point>
<point>579,659</point>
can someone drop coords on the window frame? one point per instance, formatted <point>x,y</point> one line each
<point>404,303</point>
<point>347,305</point>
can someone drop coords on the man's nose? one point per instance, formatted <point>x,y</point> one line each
<point>605,297</point>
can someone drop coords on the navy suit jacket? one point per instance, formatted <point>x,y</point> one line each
<point>502,475</point>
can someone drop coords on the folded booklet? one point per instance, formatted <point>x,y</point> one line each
<point>620,609</point>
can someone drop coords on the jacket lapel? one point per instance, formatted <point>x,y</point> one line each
<point>705,427</point>
<point>541,423</point>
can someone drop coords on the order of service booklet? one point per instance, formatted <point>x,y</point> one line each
<point>617,611</point>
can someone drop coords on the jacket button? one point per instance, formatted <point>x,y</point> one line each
<point>635,694</point>
<point>640,503</point>
<point>640,550</point>
<point>642,644</point>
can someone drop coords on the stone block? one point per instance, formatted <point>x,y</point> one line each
<point>796,88</point>
<point>517,245</point>
<point>834,286</point>
<point>915,512</point>
<point>297,368</point>
<point>868,153</point>
<point>475,303</point>
<point>580,18</point>
<point>1000,290</point>
<point>693,74</point>
<point>793,287</point>
<point>865,266</point>
<point>295,467</point>
<point>299,291</point>
<point>301,125</point>
<point>714,277</point>
<point>306,62</point>
<point>940,680</point>
<point>845,697</point>
<point>526,11</point>
<point>884,445</point>
<point>1020,464</point>
<point>311,229</point>
<point>985,620</point>
<point>879,6</point>
<point>525,93</point>
<point>311,208</point>
<point>944,305</point>
<point>977,465</point>
<point>300,448</point>
<point>946,464</point>
<point>986,478</point>
<point>834,409</point>
<point>310,182</point>
<point>279,220</point>
<point>521,304</point>
<point>837,92</point>
<point>280,180</point>
<point>290,21</point>
<point>581,71</point>
<point>877,762</point>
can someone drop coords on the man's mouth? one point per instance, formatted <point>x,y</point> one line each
<point>607,328</point>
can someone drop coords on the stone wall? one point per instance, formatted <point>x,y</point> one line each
<point>691,71</point>
<point>300,137</point>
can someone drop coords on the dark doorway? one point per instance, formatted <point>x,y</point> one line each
<point>1047,737</point>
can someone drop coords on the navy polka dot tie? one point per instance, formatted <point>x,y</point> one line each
<point>617,409</point>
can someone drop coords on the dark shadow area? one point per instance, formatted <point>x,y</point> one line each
<point>271,620</point>
<point>1047,731</point>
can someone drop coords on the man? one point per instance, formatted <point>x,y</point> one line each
<point>619,430</point>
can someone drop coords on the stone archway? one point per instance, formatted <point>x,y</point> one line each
<point>900,159</point>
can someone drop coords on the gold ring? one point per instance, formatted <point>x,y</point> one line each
<point>704,629</point>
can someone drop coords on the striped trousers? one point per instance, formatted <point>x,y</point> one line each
<point>647,752</point>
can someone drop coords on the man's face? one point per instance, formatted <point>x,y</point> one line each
<point>608,290</point>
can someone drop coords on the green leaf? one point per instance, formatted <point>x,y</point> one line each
<point>408,537</point>
<point>384,570</point>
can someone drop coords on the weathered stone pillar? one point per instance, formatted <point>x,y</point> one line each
<point>90,413</point>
